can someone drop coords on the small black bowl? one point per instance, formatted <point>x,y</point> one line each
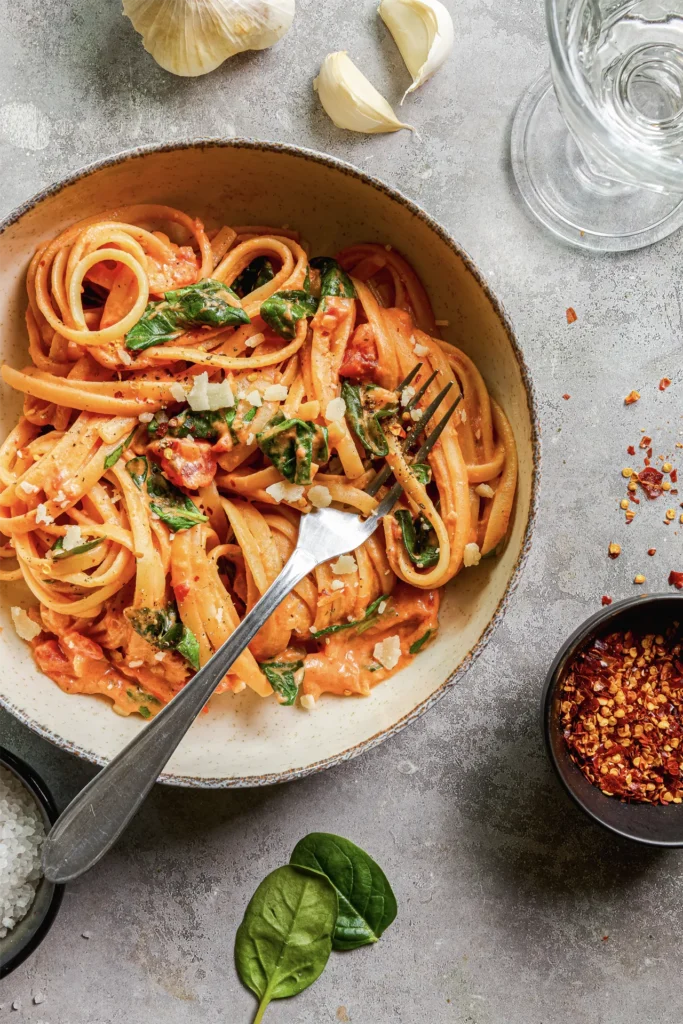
<point>645,823</point>
<point>27,935</point>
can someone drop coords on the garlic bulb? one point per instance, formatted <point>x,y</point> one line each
<point>192,37</point>
<point>423,32</point>
<point>350,100</point>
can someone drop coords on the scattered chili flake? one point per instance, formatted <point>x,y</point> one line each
<point>571,315</point>
<point>632,397</point>
<point>676,579</point>
<point>631,450</point>
<point>621,712</point>
<point>605,938</point>
<point>651,481</point>
<point>664,383</point>
<point>639,578</point>
<point>566,397</point>
<point>645,441</point>
<point>614,550</point>
<point>652,551</point>
<point>673,476</point>
<point>606,600</point>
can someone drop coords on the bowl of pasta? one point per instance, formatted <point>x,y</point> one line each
<point>202,343</point>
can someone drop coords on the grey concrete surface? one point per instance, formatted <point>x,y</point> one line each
<point>507,895</point>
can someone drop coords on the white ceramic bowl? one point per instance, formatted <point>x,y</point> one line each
<point>244,741</point>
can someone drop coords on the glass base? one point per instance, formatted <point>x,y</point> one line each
<point>560,189</point>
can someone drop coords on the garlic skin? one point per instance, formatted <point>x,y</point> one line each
<point>350,100</point>
<point>193,37</point>
<point>423,32</point>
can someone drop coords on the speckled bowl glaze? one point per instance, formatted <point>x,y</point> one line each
<point>244,741</point>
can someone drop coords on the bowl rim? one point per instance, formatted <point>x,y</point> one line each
<point>38,789</point>
<point>334,163</point>
<point>590,627</point>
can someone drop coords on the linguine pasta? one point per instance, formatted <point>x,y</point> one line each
<point>192,393</point>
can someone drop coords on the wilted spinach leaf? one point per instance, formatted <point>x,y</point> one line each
<point>423,472</point>
<point>419,539</point>
<point>208,426</point>
<point>170,504</point>
<point>418,644</point>
<point>360,625</point>
<point>285,939</point>
<point>259,272</point>
<point>114,456</point>
<point>367,905</point>
<point>137,470</point>
<point>58,550</point>
<point>163,628</point>
<point>283,310</point>
<point>333,280</point>
<point>202,304</point>
<point>365,415</point>
<point>292,446</point>
<point>282,677</point>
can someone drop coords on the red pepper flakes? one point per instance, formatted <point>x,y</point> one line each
<point>650,480</point>
<point>645,441</point>
<point>605,938</point>
<point>676,579</point>
<point>664,383</point>
<point>673,476</point>
<point>566,397</point>
<point>571,315</point>
<point>606,600</point>
<point>622,715</point>
<point>631,450</point>
<point>632,396</point>
<point>652,551</point>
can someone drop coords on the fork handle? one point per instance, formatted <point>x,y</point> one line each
<point>97,816</point>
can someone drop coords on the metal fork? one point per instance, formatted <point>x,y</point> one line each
<point>98,815</point>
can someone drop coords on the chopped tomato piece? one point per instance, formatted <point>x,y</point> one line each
<point>187,463</point>
<point>181,590</point>
<point>360,359</point>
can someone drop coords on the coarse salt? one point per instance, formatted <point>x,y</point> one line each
<point>471,555</point>
<point>388,652</point>
<point>27,488</point>
<point>319,496</point>
<point>484,491</point>
<point>275,393</point>
<point>283,491</point>
<point>21,836</point>
<point>336,410</point>
<point>344,565</point>
<point>27,629</point>
<point>254,398</point>
<point>42,515</point>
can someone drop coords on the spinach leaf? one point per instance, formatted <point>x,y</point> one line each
<point>284,941</point>
<point>172,506</point>
<point>360,625</point>
<point>292,446</point>
<point>367,904</point>
<point>418,644</point>
<point>364,416</point>
<point>196,305</point>
<point>423,472</point>
<point>59,552</point>
<point>137,470</point>
<point>259,272</point>
<point>249,415</point>
<point>333,280</point>
<point>208,426</point>
<point>144,700</point>
<point>114,456</point>
<point>419,539</point>
<point>282,310</point>
<point>164,629</point>
<point>281,676</point>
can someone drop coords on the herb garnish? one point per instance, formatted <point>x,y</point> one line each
<point>293,446</point>
<point>365,415</point>
<point>58,550</point>
<point>360,625</point>
<point>282,677</point>
<point>202,304</point>
<point>282,310</point>
<point>418,644</point>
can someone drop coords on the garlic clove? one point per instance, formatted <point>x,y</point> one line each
<point>423,32</point>
<point>350,100</point>
<point>193,37</point>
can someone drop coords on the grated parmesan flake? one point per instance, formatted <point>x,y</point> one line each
<point>42,516</point>
<point>388,652</point>
<point>415,414</point>
<point>344,565</point>
<point>27,487</point>
<point>471,555</point>
<point>198,397</point>
<point>336,410</point>
<point>406,395</point>
<point>220,396</point>
<point>484,491</point>
<point>283,491</point>
<point>178,392</point>
<point>319,496</point>
<point>420,350</point>
<point>337,585</point>
<point>382,607</point>
<point>26,628</point>
<point>307,701</point>
<point>255,340</point>
<point>254,398</point>
<point>146,417</point>
<point>72,538</point>
<point>275,393</point>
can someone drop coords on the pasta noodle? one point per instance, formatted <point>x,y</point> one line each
<point>191,395</point>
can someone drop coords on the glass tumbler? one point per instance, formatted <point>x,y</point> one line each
<point>597,144</point>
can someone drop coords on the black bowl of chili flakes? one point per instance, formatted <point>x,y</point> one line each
<point>613,718</point>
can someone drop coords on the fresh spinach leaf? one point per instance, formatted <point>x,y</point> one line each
<point>114,456</point>
<point>172,506</point>
<point>367,905</point>
<point>419,539</point>
<point>285,938</point>
<point>208,426</point>
<point>292,446</point>
<point>137,470</point>
<point>423,472</point>
<point>202,304</point>
<point>58,550</point>
<point>365,415</point>
<point>333,280</point>
<point>164,629</point>
<point>282,677</point>
<point>283,310</point>
<point>144,711</point>
<point>360,625</point>
<point>259,272</point>
<point>418,644</point>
